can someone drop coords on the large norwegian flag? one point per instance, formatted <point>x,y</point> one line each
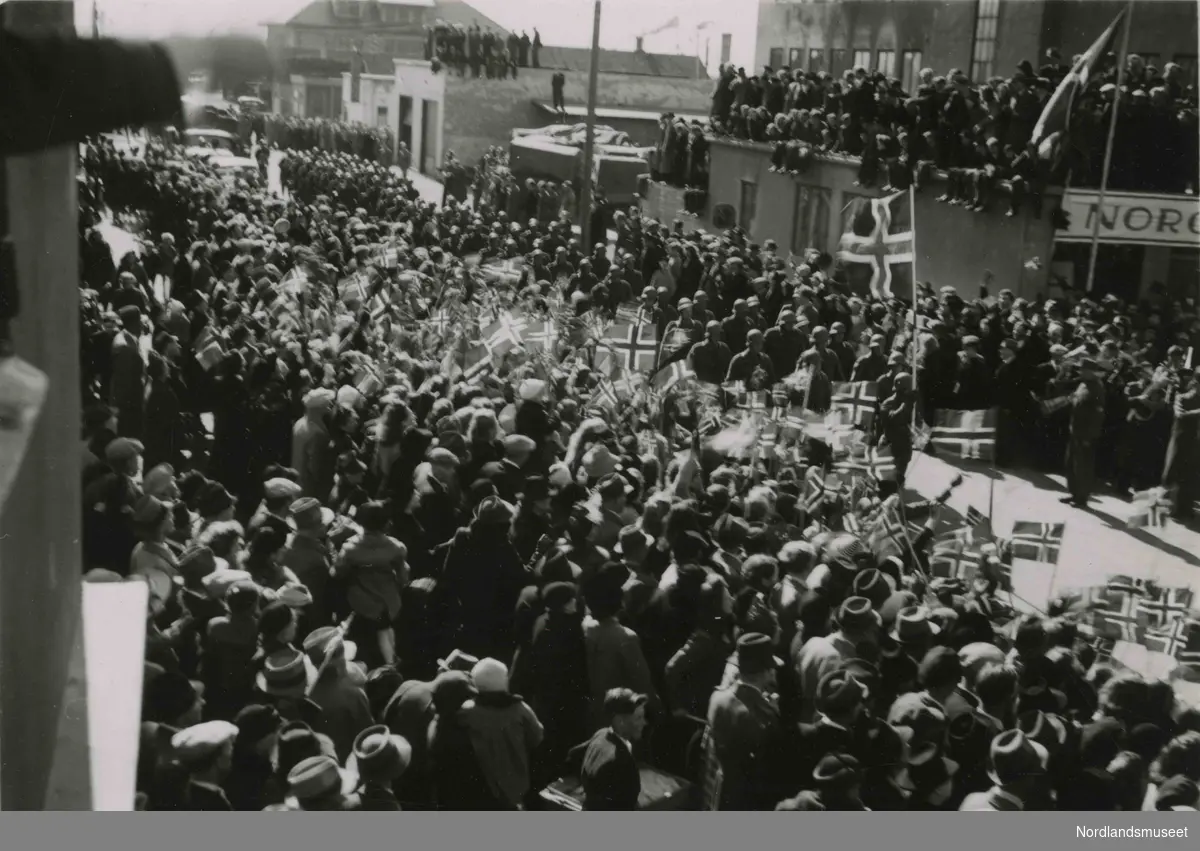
<point>857,400</point>
<point>877,250</point>
<point>1056,115</point>
<point>967,434</point>
<point>629,347</point>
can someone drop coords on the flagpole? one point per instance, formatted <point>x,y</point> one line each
<point>589,139</point>
<point>1108,148</point>
<point>912,223</point>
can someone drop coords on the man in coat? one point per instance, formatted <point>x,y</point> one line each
<point>742,740</point>
<point>128,384</point>
<point>1182,469</point>
<point>1087,419</point>
<point>312,452</point>
<point>611,780</point>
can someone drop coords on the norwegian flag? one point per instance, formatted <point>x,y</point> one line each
<point>877,463</point>
<point>477,362</point>
<point>505,334</point>
<point>1151,508</point>
<point>858,400</point>
<point>631,313</point>
<point>975,528</point>
<point>671,375</point>
<point>814,489</point>
<point>800,419</point>
<point>604,396</point>
<point>1175,639</point>
<point>753,403</point>
<point>631,347</point>
<point>1118,617</point>
<point>1040,542</point>
<point>955,560</point>
<point>1159,606</point>
<point>967,434</point>
<point>878,247</point>
<point>504,271</point>
<point>541,336</point>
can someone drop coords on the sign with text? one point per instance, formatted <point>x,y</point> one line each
<point>1131,218</point>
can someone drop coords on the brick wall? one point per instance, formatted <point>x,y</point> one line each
<point>482,113</point>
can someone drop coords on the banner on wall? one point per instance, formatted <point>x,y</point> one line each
<point>1131,218</point>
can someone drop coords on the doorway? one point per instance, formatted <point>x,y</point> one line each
<point>404,132</point>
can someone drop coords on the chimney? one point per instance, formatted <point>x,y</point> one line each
<point>639,45</point>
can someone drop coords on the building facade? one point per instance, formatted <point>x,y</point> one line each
<point>1146,238</point>
<point>312,49</point>
<point>982,38</point>
<point>434,112</point>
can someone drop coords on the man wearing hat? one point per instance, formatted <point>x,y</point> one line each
<point>230,644</point>
<point>1087,421</point>
<point>436,508</point>
<point>345,710</point>
<point>380,758</point>
<point>742,744</point>
<point>857,623</point>
<point>109,503</point>
<point>841,701</point>
<point>1017,768</point>
<point>710,358</point>
<point>973,384</point>
<point>609,772</point>
<point>313,455</point>
<point>612,491</point>
<point>308,556</point>
<point>278,494</point>
<point>205,752</point>
<point>319,784</point>
<point>127,385</point>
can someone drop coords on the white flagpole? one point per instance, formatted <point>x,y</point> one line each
<point>1108,148</point>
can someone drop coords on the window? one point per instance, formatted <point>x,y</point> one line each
<point>795,57</point>
<point>381,116</point>
<point>910,68</point>
<point>748,206</point>
<point>775,58</point>
<point>885,62</point>
<point>862,59</point>
<point>812,218</point>
<point>816,59</point>
<point>983,53</point>
<point>838,59</point>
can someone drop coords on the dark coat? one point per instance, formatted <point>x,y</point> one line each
<point>611,780</point>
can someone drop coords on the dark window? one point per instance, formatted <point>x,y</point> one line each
<point>795,58</point>
<point>839,59</point>
<point>816,59</point>
<point>775,58</point>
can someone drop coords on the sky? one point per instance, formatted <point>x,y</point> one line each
<point>561,22</point>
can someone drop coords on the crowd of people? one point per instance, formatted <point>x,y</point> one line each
<point>367,141</point>
<point>976,131</point>
<point>481,50</point>
<point>387,573</point>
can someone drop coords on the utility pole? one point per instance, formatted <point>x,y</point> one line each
<point>95,18</point>
<point>589,139</point>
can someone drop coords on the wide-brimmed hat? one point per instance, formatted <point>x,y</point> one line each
<point>856,615</point>
<point>840,691</point>
<point>913,624</point>
<point>324,641</point>
<point>286,673</point>
<point>379,755</point>
<point>1014,757</point>
<point>319,777</point>
<point>837,770</point>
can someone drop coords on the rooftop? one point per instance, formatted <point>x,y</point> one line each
<point>634,62</point>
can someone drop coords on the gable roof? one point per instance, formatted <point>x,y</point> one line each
<point>620,62</point>
<point>463,14</point>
